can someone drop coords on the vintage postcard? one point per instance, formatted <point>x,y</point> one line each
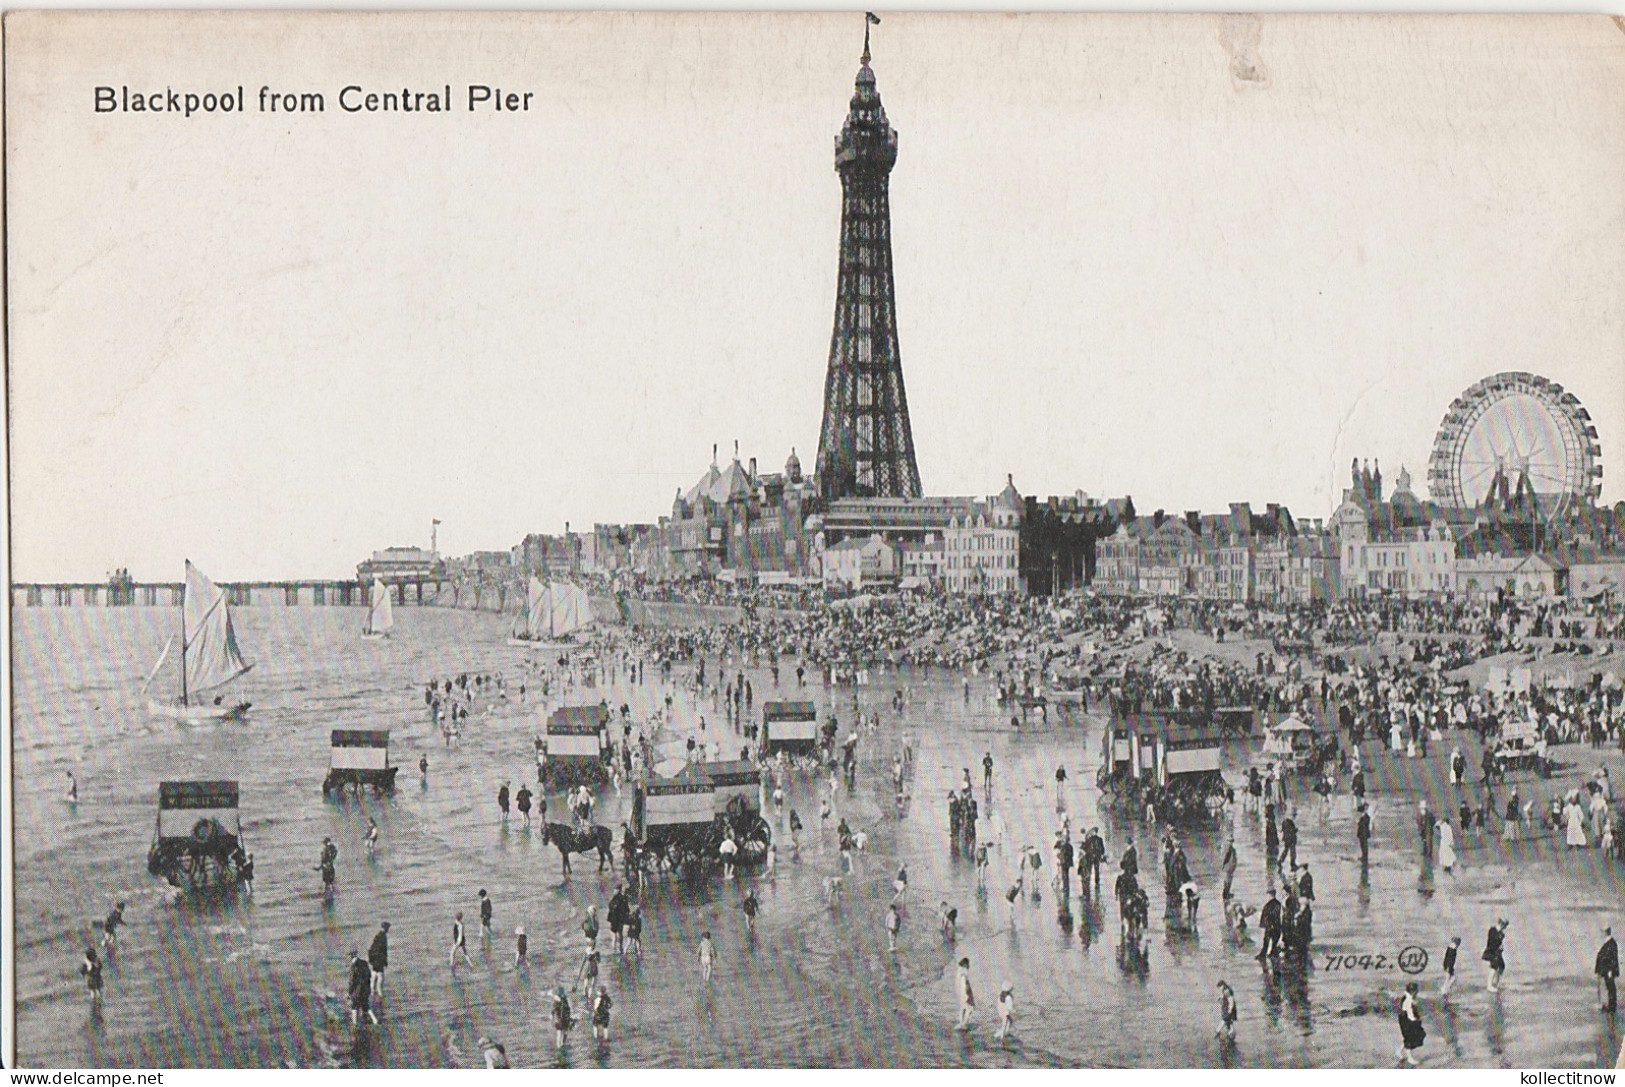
<point>861,540</point>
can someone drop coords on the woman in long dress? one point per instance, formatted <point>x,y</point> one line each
<point>1576,825</point>
<point>1447,846</point>
<point>1411,1032</point>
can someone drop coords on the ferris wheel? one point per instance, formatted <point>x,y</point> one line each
<point>1518,423</point>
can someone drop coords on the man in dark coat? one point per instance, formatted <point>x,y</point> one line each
<point>1362,831</point>
<point>1269,919</point>
<point>620,911</point>
<point>1179,869</point>
<point>1289,923</point>
<point>1289,841</point>
<point>1494,954</point>
<point>1607,971</point>
<point>360,989</point>
<point>1094,855</point>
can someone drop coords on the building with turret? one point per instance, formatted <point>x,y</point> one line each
<point>1398,545</point>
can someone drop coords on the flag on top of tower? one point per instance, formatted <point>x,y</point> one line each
<point>874,20</point>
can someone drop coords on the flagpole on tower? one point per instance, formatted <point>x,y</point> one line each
<point>869,19</point>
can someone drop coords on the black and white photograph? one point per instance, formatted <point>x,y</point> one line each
<point>852,540</point>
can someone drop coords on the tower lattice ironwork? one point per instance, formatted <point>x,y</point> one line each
<point>866,446</point>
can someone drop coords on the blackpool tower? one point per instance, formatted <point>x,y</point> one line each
<point>866,446</point>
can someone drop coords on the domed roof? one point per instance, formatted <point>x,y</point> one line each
<point>1010,498</point>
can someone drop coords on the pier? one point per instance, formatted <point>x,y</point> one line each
<point>426,592</point>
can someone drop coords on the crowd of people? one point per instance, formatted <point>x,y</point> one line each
<point>1382,675</point>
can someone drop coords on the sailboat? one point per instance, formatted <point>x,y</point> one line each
<point>380,614</point>
<point>553,611</point>
<point>209,656</point>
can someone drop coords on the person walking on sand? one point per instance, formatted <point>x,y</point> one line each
<point>634,933</point>
<point>360,989</point>
<point>521,801</point>
<point>1007,1011</point>
<point>502,801</point>
<point>1012,896</point>
<point>707,957</point>
<point>587,975</point>
<point>459,942</point>
<point>967,996</point>
<point>601,1005</point>
<point>521,947</point>
<point>894,922</point>
<point>91,968</point>
<point>110,928</point>
<point>73,788</point>
<point>619,913</point>
<point>1607,971</point>
<point>1495,954</point>
<point>1411,1032</point>
<point>372,836</point>
<point>563,1020</point>
<point>485,918</point>
<point>378,958</point>
<point>1449,967</point>
<point>1228,1013</point>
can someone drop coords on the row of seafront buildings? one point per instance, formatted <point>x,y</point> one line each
<point>1396,545</point>
<point>738,524</point>
<point>859,521</point>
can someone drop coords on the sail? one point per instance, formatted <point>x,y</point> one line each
<point>569,608</point>
<point>381,613</point>
<point>533,620</point>
<point>209,650</point>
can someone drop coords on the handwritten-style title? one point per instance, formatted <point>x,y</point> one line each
<point>476,98</point>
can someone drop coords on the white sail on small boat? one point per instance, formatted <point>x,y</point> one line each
<point>210,658</point>
<point>380,612</point>
<point>553,611</point>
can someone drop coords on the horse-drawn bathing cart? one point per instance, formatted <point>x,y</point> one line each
<point>575,747</point>
<point>198,842</point>
<point>791,727</point>
<point>680,822</point>
<point>1169,759</point>
<point>360,758</point>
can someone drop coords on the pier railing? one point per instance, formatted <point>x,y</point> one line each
<point>468,593</point>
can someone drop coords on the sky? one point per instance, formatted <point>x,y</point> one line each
<point>1195,260</point>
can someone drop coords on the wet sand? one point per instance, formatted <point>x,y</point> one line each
<point>259,981</point>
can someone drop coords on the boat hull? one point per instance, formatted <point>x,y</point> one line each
<point>197,714</point>
<point>533,643</point>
